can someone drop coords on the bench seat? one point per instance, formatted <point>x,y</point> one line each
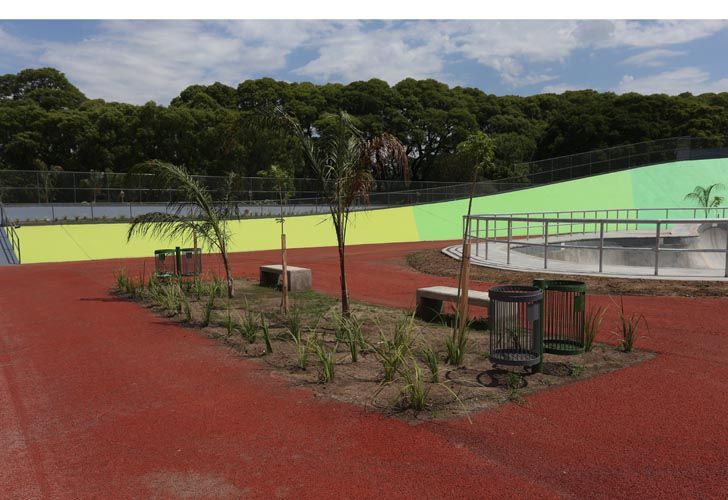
<point>299,278</point>
<point>430,299</point>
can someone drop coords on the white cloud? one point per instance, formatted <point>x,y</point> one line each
<point>657,33</point>
<point>354,53</point>
<point>653,58</point>
<point>136,61</point>
<point>560,88</point>
<point>673,82</point>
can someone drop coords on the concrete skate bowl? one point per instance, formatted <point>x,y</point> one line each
<point>617,242</point>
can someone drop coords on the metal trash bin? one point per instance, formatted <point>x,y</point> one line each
<point>515,325</point>
<point>564,315</point>
<point>178,262</point>
<point>165,262</point>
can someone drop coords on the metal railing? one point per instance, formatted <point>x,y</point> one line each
<point>45,186</point>
<point>557,230</point>
<point>11,232</point>
<point>601,161</point>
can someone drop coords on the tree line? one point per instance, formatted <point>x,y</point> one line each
<point>47,123</point>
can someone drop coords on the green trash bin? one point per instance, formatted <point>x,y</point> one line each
<point>564,314</point>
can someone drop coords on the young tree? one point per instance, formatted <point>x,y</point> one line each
<point>344,161</point>
<point>478,148</point>
<point>704,197</point>
<point>283,182</point>
<point>195,215</point>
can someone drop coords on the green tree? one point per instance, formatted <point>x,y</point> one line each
<point>283,184</point>
<point>705,198</point>
<point>343,162</point>
<point>196,215</point>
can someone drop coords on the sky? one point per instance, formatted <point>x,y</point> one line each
<point>141,61</point>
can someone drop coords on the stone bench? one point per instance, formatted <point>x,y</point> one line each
<point>299,278</point>
<point>430,299</point>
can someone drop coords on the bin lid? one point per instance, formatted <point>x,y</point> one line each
<point>515,293</point>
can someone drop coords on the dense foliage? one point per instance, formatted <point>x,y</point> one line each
<point>46,122</point>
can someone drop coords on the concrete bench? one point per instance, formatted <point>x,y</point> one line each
<point>429,300</point>
<point>299,278</point>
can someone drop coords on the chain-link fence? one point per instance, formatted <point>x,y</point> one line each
<point>607,160</point>
<point>35,186</point>
<point>32,186</point>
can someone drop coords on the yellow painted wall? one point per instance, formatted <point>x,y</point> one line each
<point>74,242</point>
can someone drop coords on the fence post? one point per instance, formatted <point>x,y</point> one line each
<point>601,246</point>
<point>657,249</point>
<point>92,210</point>
<point>545,245</point>
<point>53,213</point>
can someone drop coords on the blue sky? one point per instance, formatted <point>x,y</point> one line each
<point>138,61</point>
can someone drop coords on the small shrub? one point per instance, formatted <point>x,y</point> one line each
<point>390,355</point>
<point>629,327</point>
<point>592,322</point>
<point>416,393</point>
<point>265,328</point>
<point>198,288</point>
<point>121,281</point>
<point>208,308</point>
<point>456,346</point>
<point>186,309</point>
<point>351,334</point>
<point>295,323</point>
<point>577,370</point>
<point>513,382</point>
<point>248,327</point>
<point>229,322</point>
<point>216,286</point>
<point>303,348</point>
<point>327,358</point>
<point>430,358</point>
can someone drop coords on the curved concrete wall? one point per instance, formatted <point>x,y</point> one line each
<point>653,186</point>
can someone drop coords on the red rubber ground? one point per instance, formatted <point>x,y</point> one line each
<point>100,398</point>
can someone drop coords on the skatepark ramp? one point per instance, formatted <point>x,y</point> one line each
<point>657,242</point>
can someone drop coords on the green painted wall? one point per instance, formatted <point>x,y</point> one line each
<point>441,221</point>
<point>659,185</point>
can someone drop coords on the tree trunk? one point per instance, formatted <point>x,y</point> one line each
<point>228,275</point>
<point>284,274</point>
<point>342,274</point>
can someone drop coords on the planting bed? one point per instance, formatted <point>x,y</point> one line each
<point>418,390</point>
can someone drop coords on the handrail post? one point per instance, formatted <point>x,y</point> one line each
<point>477,234</point>
<point>601,246</point>
<point>726,258</point>
<point>486,239</point>
<point>510,236</point>
<point>545,244</point>
<point>657,249</point>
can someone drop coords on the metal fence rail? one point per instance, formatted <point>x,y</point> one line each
<point>551,230</point>
<point>5,225</point>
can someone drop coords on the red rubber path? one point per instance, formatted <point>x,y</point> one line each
<point>100,398</point>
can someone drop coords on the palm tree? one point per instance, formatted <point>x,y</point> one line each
<point>196,215</point>
<point>704,196</point>
<point>344,161</point>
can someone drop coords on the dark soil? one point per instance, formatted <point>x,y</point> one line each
<point>436,263</point>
